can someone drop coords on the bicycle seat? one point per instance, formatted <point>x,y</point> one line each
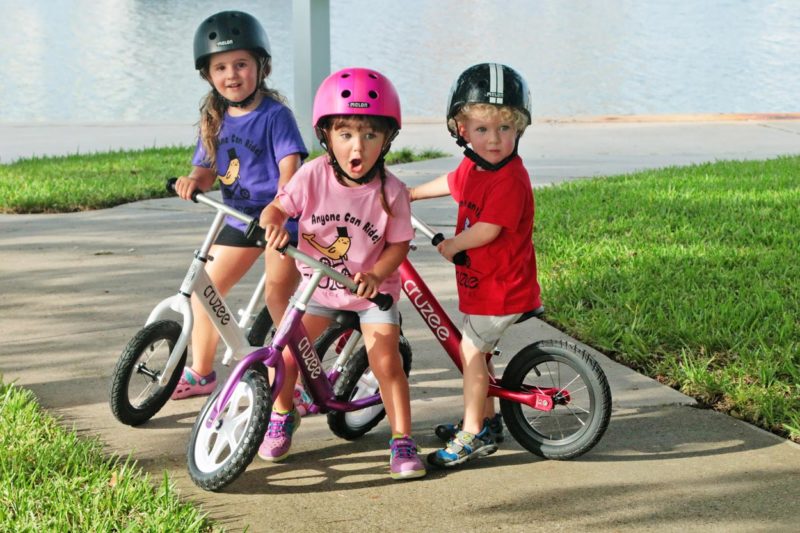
<point>535,313</point>
<point>348,319</point>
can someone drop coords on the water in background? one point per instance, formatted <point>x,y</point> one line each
<point>131,60</point>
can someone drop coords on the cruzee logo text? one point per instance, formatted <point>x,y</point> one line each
<point>425,309</point>
<point>307,353</point>
<point>216,306</point>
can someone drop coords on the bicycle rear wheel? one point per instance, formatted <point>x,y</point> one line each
<point>355,381</point>
<point>358,381</point>
<point>262,325</point>
<point>135,395</point>
<point>580,393</point>
<point>219,454</point>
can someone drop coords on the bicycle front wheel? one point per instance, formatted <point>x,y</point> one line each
<point>135,395</point>
<point>219,454</point>
<point>579,392</point>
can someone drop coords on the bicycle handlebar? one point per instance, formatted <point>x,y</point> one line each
<point>171,188</point>
<point>436,237</point>
<point>256,233</point>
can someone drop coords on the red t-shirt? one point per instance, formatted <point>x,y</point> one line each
<point>500,277</point>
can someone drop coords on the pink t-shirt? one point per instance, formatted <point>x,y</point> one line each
<point>346,227</point>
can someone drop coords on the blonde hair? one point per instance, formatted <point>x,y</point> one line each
<point>213,107</point>
<point>517,118</point>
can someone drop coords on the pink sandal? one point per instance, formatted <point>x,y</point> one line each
<point>193,384</point>
<point>303,402</point>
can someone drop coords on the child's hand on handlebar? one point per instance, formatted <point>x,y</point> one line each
<point>368,284</point>
<point>185,186</point>
<point>275,236</point>
<point>448,249</point>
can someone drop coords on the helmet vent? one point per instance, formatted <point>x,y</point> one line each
<point>373,75</point>
<point>346,75</point>
<point>345,94</point>
<point>212,36</point>
<point>373,94</point>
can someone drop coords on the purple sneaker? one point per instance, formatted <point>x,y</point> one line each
<point>278,438</point>
<point>405,463</point>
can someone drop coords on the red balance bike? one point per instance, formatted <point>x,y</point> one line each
<point>554,396</point>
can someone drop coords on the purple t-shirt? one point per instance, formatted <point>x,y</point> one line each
<point>250,148</point>
<point>346,227</point>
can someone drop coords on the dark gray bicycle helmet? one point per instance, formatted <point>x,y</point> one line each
<point>487,83</point>
<point>229,30</point>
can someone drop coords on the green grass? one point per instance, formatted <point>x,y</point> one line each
<point>52,480</point>
<point>690,275</point>
<point>96,181</point>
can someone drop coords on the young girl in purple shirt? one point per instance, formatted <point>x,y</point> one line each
<point>249,140</point>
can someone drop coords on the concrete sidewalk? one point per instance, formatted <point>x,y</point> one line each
<point>77,286</point>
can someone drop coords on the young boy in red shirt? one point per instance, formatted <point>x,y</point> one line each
<point>489,109</point>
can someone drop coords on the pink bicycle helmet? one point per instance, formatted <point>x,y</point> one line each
<point>356,91</point>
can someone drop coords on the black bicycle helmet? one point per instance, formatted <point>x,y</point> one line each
<point>229,30</point>
<point>487,83</point>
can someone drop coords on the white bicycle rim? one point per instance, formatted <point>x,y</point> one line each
<point>215,445</point>
<point>367,386</point>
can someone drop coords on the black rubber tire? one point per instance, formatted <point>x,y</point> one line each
<point>257,392</point>
<point>546,433</point>
<point>355,424</point>
<point>262,325</point>
<point>157,338</point>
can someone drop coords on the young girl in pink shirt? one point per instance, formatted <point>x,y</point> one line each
<point>355,216</point>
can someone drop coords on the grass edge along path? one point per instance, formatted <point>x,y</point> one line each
<point>687,274</point>
<point>53,480</point>
<point>64,184</point>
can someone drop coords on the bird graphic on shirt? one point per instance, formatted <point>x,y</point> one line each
<point>335,250</point>
<point>233,168</point>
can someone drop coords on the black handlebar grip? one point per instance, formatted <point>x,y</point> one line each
<point>255,233</point>
<point>171,188</point>
<point>459,259</point>
<point>383,300</point>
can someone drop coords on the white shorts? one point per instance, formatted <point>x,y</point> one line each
<point>484,331</point>
<point>371,315</point>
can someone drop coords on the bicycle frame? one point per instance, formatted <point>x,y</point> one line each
<point>197,282</point>
<point>449,336</point>
<point>293,334</point>
<point>443,329</point>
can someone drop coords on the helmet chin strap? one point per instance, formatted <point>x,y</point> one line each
<point>244,103</point>
<point>481,162</point>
